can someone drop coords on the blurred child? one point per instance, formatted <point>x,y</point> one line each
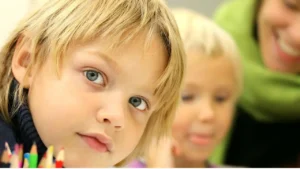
<point>98,78</point>
<point>212,85</point>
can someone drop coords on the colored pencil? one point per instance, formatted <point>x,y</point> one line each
<point>14,160</point>
<point>49,159</point>
<point>4,163</point>
<point>26,163</point>
<point>43,161</point>
<point>60,159</point>
<point>33,156</point>
<point>8,149</point>
<point>20,155</point>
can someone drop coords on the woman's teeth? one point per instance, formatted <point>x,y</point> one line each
<point>288,49</point>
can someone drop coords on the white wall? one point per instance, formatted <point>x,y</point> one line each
<point>205,7</point>
<point>11,11</point>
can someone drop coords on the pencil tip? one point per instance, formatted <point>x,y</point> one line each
<point>33,149</point>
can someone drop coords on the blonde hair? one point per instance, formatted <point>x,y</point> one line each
<point>55,25</point>
<point>200,33</point>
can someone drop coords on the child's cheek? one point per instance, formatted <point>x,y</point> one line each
<point>179,128</point>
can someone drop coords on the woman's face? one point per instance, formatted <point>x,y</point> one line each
<point>279,35</point>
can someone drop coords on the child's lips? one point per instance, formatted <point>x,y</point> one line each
<point>200,139</point>
<point>98,142</point>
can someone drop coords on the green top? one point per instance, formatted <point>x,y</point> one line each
<point>268,96</point>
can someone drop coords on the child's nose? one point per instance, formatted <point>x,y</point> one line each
<point>115,119</point>
<point>206,112</point>
<point>113,113</point>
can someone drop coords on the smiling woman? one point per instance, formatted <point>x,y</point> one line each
<point>279,35</point>
<point>268,113</point>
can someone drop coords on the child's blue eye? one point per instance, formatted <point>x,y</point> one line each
<point>138,103</point>
<point>94,76</point>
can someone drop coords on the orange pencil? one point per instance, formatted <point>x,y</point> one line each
<point>4,163</point>
<point>60,159</point>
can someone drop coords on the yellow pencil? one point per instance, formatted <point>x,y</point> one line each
<point>26,163</point>
<point>49,158</point>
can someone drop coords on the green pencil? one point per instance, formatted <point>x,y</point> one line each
<point>33,157</point>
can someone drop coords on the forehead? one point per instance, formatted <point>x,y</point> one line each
<point>213,71</point>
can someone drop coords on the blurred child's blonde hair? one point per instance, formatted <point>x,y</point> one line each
<point>51,29</point>
<point>202,34</point>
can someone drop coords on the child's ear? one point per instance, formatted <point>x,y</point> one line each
<point>20,61</point>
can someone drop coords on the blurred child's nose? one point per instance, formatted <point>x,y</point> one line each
<point>205,111</point>
<point>113,111</point>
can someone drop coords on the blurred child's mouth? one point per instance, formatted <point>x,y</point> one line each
<point>200,139</point>
<point>97,142</point>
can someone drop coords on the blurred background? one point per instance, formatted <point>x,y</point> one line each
<point>11,11</point>
<point>206,7</point>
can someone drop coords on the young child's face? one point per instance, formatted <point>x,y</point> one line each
<point>206,109</point>
<point>99,107</point>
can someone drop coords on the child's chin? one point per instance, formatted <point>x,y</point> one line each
<point>199,155</point>
<point>84,161</point>
<point>84,164</point>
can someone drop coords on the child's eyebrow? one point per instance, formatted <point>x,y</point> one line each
<point>113,64</point>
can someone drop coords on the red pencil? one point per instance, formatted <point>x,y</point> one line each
<point>60,159</point>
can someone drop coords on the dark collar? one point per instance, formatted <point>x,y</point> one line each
<point>26,132</point>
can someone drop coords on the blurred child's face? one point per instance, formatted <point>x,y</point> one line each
<point>207,105</point>
<point>279,25</point>
<point>99,107</point>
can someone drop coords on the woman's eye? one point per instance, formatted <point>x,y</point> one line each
<point>138,103</point>
<point>94,76</point>
<point>291,4</point>
<point>187,97</point>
